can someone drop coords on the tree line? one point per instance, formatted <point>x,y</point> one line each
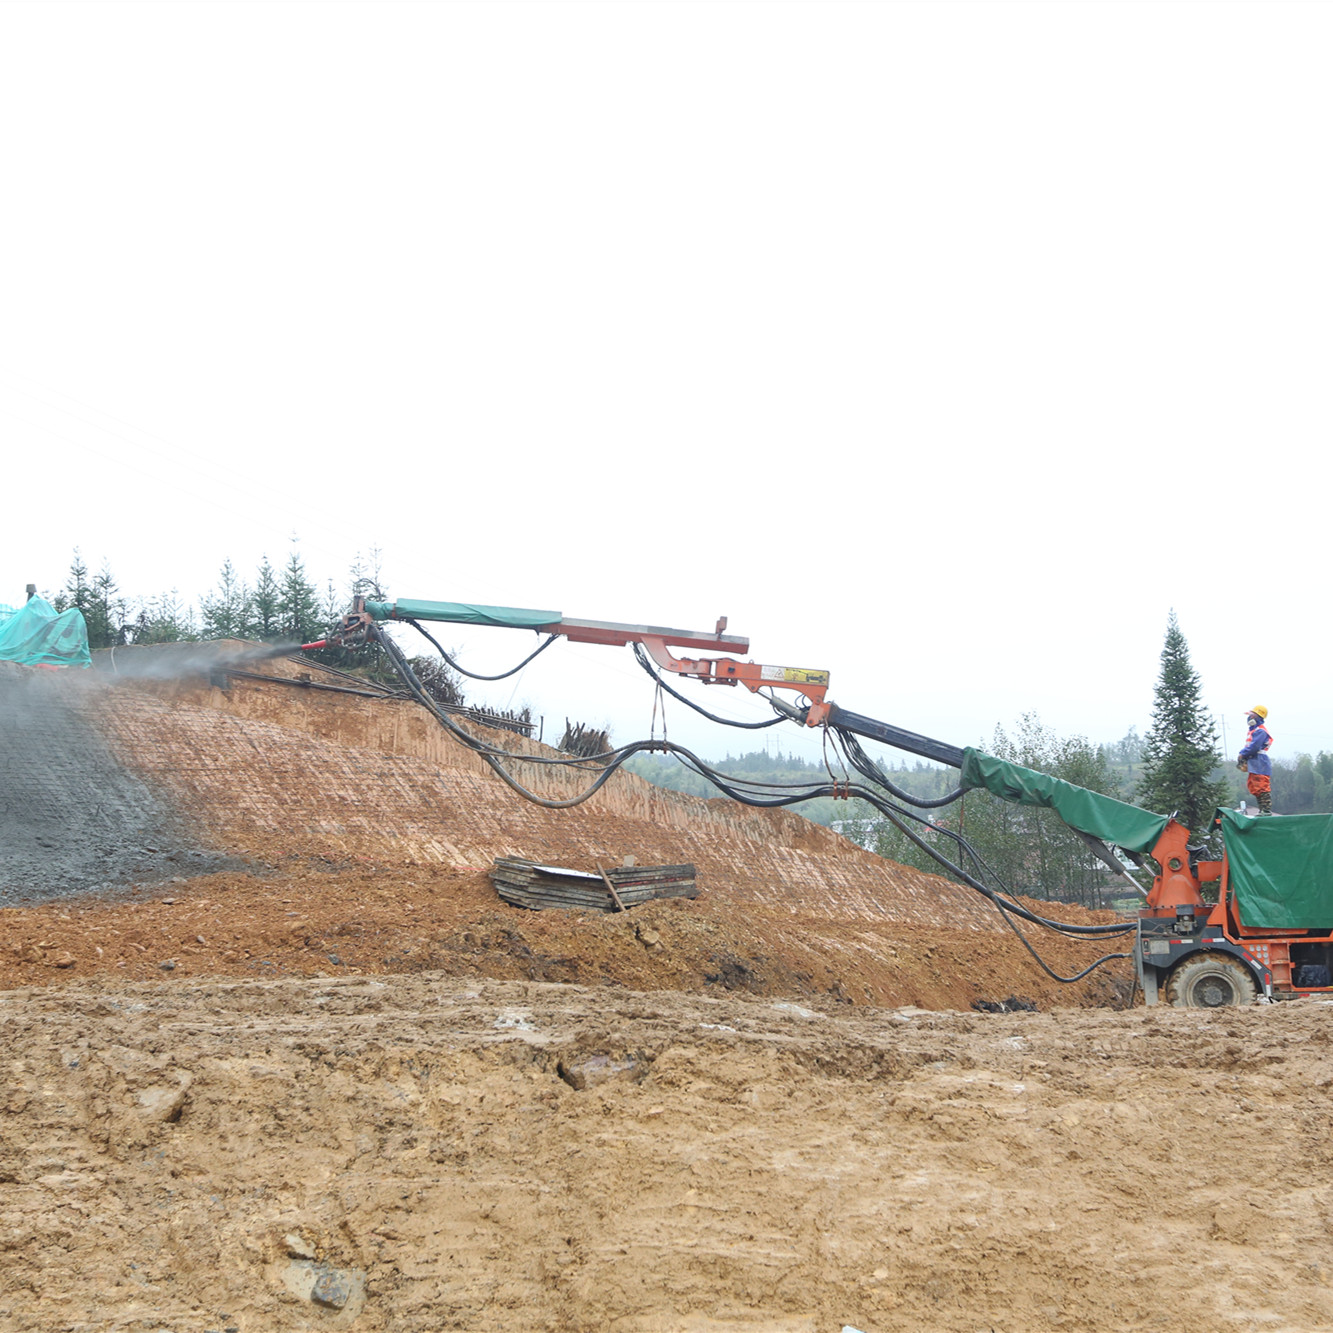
<point>276,605</point>
<point>273,606</point>
<point>1176,768</point>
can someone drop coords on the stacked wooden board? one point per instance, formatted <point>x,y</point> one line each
<point>527,884</point>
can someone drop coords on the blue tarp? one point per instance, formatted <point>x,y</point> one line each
<point>38,635</point>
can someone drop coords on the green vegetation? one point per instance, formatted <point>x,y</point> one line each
<point>1180,758</point>
<point>276,607</point>
<point>1027,849</point>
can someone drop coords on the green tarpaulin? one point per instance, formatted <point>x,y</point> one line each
<point>1103,816</point>
<point>1281,869</point>
<point>37,635</point>
<point>464,613</point>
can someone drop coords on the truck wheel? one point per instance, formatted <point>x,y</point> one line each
<point>1210,981</point>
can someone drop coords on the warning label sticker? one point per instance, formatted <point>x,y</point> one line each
<point>794,675</point>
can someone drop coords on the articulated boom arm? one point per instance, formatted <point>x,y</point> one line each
<point>727,671</point>
<point>1176,885</point>
<point>655,639</point>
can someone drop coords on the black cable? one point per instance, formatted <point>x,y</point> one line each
<point>894,816</point>
<point>472,675</point>
<point>689,703</point>
<point>1063,928</point>
<point>806,792</point>
<point>730,787</point>
<point>492,754</point>
<point>1041,962</point>
<point>870,770</point>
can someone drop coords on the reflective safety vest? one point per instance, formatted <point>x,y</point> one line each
<point>1257,741</point>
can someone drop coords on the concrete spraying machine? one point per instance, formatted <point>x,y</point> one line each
<point>1268,933</point>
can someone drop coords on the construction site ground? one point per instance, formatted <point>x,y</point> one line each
<point>275,1056</point>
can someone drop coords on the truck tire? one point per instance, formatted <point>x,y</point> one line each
<point>1210,981</point>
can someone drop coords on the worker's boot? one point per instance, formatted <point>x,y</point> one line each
<point>1265,799</point>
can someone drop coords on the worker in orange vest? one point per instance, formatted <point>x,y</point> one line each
<point>1253,758</point>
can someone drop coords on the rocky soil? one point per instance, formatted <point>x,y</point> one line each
<point>420,1152</point>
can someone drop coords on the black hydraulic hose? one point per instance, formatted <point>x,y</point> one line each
<point>1064,927</point>
<point>805,793</point>
<point>487,752</point>
<point>729,786</point>
<point>689,703</point>
<point>870,770</point>
<point>1041,962</point>
<point>472,675</point>
<point>492,755</point>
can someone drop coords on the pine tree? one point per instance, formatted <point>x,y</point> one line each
<point>106,613</point>
<point>227,612</point>
<point>77,592</point>
<point>97,601</point>
<point>164,619</point>
<point>298,606</point>
<point>264,609</point>
<point>1180,749</point>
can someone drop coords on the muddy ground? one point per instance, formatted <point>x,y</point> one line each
<point>416,1152</point>
<point>337,1084</point>
<point>299,918</point>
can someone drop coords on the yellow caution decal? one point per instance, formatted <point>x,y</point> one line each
<point>794,675</point>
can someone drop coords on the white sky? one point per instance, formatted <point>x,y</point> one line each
<point>944,346</point>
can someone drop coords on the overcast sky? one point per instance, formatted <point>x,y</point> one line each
<point>945,346</point>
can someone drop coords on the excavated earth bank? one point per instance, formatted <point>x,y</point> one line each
<point>275,1056</point>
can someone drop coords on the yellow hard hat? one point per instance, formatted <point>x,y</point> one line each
<point>1260,712</point>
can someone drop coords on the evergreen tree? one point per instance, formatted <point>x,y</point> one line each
<point>164,620</point>
<point>106,612</point>
<point>227,612</point>
<point>97,600</point>
<point>366,575</point>
<point>264,604</point>
<point>78,591</point>
<point>335,605</point>
<point>1180,749</point>
<point>298,605</point>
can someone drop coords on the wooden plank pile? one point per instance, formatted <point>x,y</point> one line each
<point>527,884</point>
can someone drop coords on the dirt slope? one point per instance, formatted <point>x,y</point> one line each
<point>365,831</point>
<point>519,1156</point>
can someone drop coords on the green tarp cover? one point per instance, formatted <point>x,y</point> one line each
<point>1281,869</point>
<point>464,613</point>
<point>37,635</point>
<point>1103,816</point>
